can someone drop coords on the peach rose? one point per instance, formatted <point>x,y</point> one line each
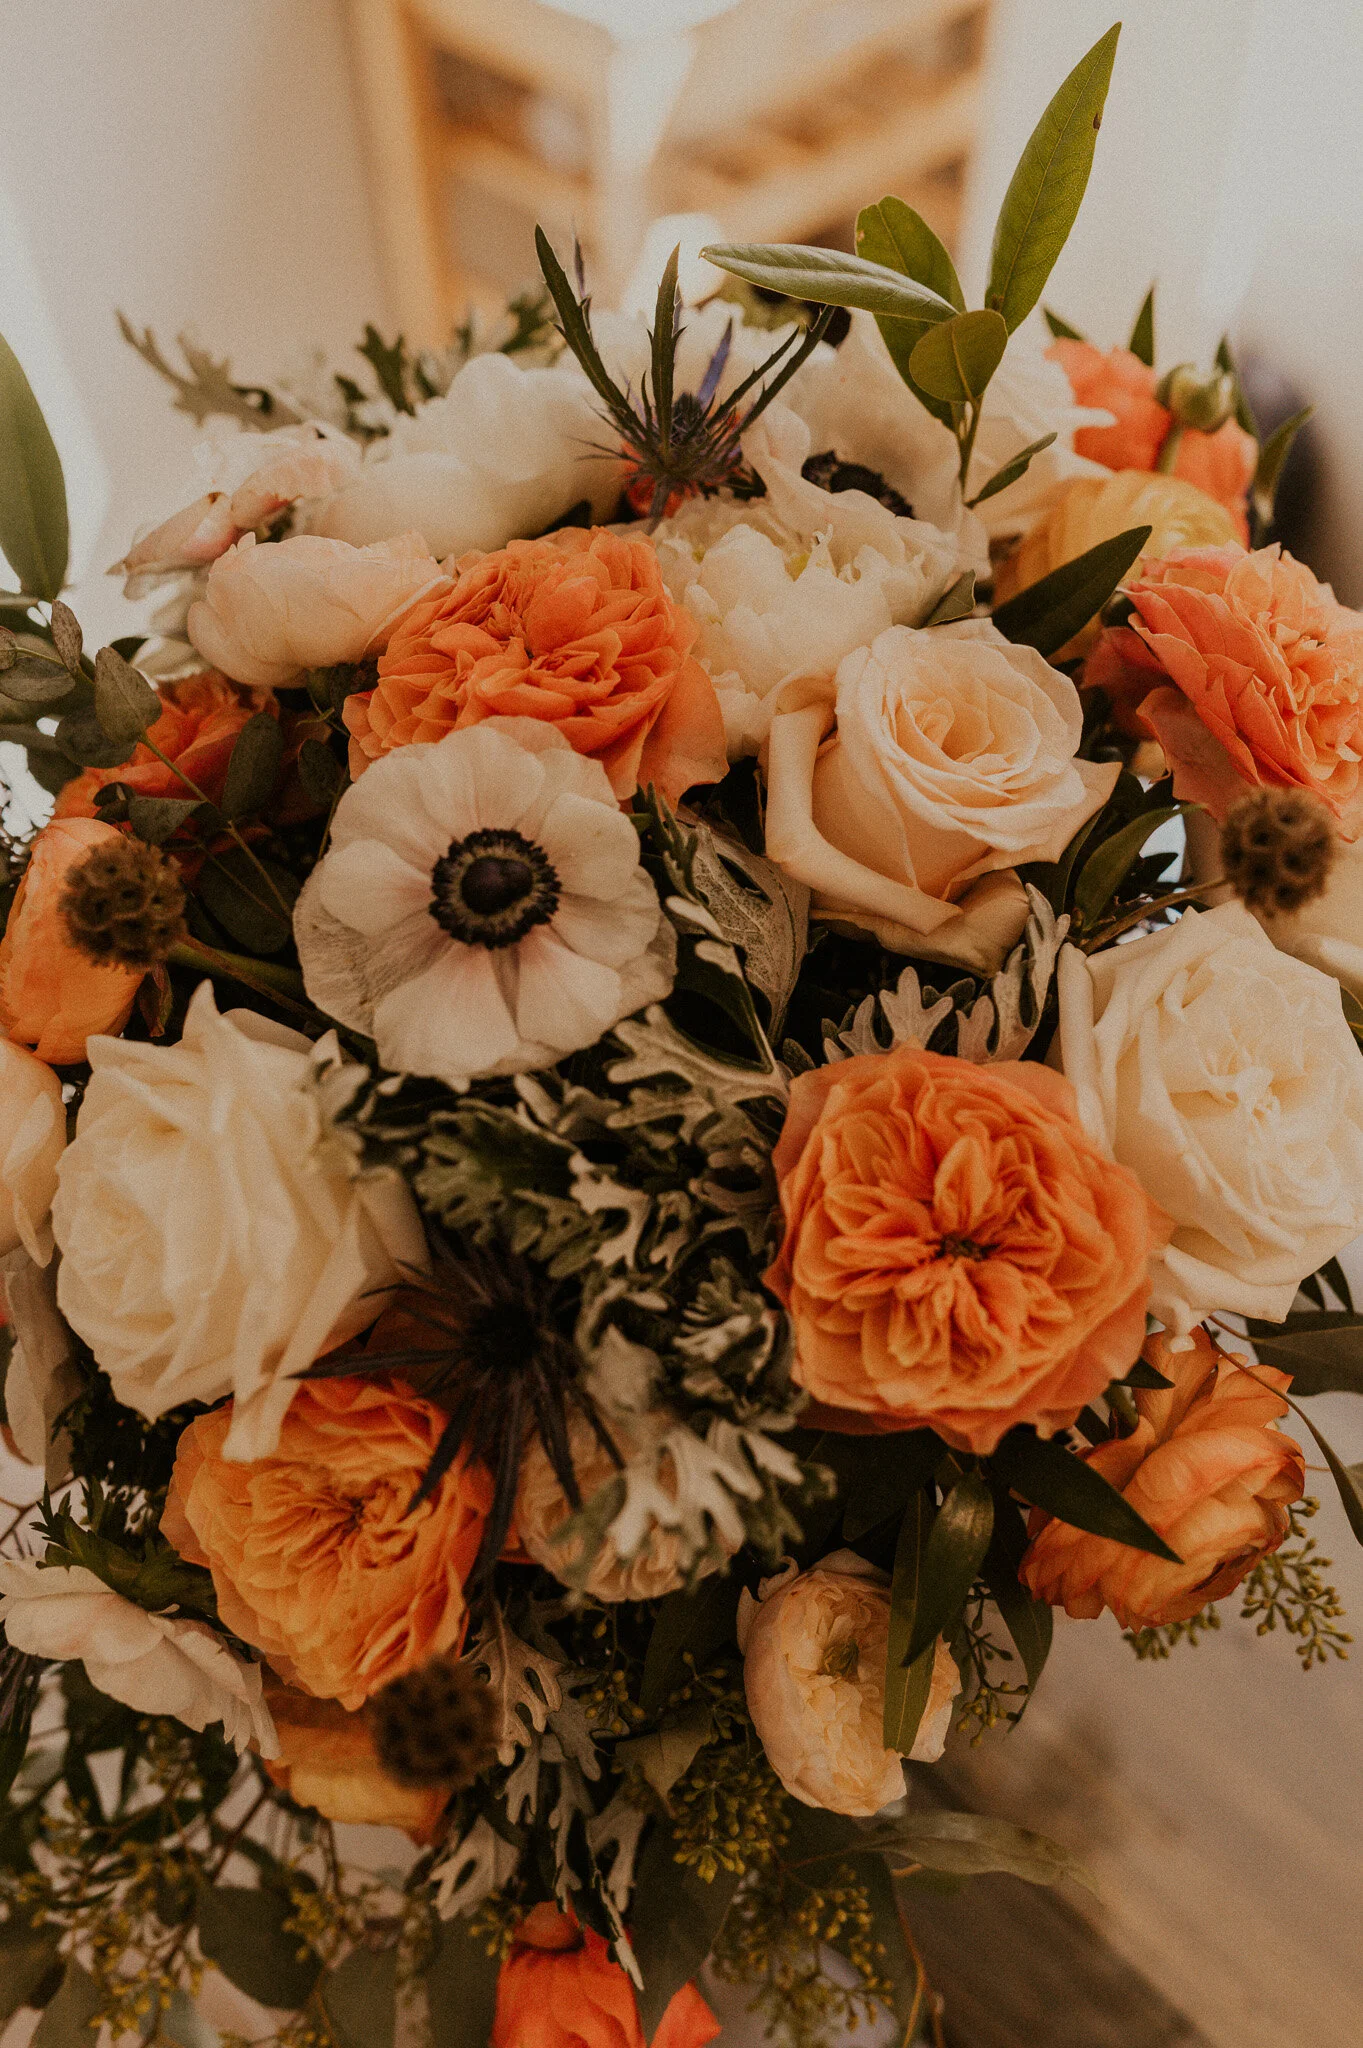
<point>958,1253</point>
<point>326,1761</point>
<point>272,609</point>
<point>560,1988</point>
<point>52,996</point>
<point>314,1555</point>
<point>1221,464</point>
<point>1247,671</point>
<point>1210,1473</point>
<point>577,629</point>
<point>197,729</point>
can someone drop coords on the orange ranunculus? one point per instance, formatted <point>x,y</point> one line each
<point>1248,672</point>
<point>957,1252</point>
<point>327,1761</point>
<point>197,730</point>
<point>560,1988</point>
<point>1210,1473</point>
<point>1221,464</point>
<point>315,1557</point>
<point>577,629</point>
<point>53,996</point>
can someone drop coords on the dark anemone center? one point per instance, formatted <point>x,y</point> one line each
<point>492,887</point>
<point>831,473</point>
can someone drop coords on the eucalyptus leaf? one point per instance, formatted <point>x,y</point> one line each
<point>233,889</point>
<point>970,1844</point>
<point>1109,864</point>
<point>1142,342</point>
<point>360,1998</point>
<point>674,1918</point>
<point>954,1552</point>
<point>66,2021</point>
<point>154,818</point>
<point>34,532</point>
<point>1051,612</point>
<point>666,1753</point>
<point>82,737</point>
<point>253,768</point>
<point>956,358</point>
<point>829,277</point>
<point>31,680</point>
<point>1047,188</point>
<point>66,636</point>
<point>1068,1487</point>
<point>461,1988</point>
<point>907,1686</point>
<point>1016,467</point>
<point>320,773</point>
<point>125,702</point>
<point>956,602</point>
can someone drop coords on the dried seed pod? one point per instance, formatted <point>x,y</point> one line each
<point>436,1725</point>
<point>124,904</point>
<point>1277,848</point>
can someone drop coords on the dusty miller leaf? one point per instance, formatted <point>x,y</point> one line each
<point>769,920</point>
<point>524,1683</point>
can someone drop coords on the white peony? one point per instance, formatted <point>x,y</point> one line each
<point>216,1238</point>
<point>154,1663</point>
<point>505,452</point>
<point>1222,1072</point>
<point>32,1140</point>
<point>814,1646</point>
<point>42,1380</point>
<point>787,584</point>
<point>272,609</point>
<point>1029,397</point>
<point>906,791</point>
<point>482,909</point>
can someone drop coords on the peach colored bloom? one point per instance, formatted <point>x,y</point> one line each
<point>560,1988</point>
<point>326,1761</point>
<point>577,629</point>
<point>1222,464</point>
<point>314,1555</point>
<point>1247,671</point>
<point>52,996</point>
<point>1210,1472</point>
<point>957,1252</point>
<point>197,730</point>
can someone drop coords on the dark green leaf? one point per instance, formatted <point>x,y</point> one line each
<point>1050,612</point>
<point>1050,1477</point>
<point>898,1966</point>
<point>360,1997</point>
<point>674,1918</point>
<point>1142,342</point>
<point>1061,329</point>
<point>82,738</point>
<point>907,1686</point>
<point>31,680</point>
<point>389,360</point>
<point>956,602</point>
<point>573,321</point>
<point>830,278</point>
<point>1323,1353</point>
<point>1011,470</point>
<point>1272,455</point>
<point>461,1988</point>
<point>239,896</point>
<point>664,346</point>
<point>893,234</point>
<point>1334,1276</point>
<point>956,358</point>
<point>66,2022</point>
<point>880,1473</point>
<point>1046,189</point>
<point>254,766</point>
<point>1029,1622</point>
<point>320,773</point>
<point>1348,1479</point>
<point>667,1752</point>
<point>125,702</point>
<point>154,818</point>
<point>701,1622</point>
<point>1108,865</point>
<point>27,1955</point>
<point>954,1553</point>
<point>969,1844</point>
<point>33,525</point>
<point>1353,1014</point>
<point>1143,1374</point>
<point>243,1932</point>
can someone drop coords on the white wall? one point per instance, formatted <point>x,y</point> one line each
<point>195,162</point>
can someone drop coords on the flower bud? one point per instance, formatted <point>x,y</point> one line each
<point>1194,402</point>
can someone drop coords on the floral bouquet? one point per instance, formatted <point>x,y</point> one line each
<point>621,1160</point>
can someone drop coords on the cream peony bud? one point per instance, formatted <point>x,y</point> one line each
<point>814,1647</point>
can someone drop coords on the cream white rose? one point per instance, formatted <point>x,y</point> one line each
<point>32,1140</point>
<point>272,609</point>
<point>154,1663</point>
<point>905,792</point>
<point>215,1237</point>
<point>788,584</point>
<point>1223,1074</point>
<point>1328,931</point>
<point>42,1380</point>
<point>505,452</point>
<point>814,1647</point>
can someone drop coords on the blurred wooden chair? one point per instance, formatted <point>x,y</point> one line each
<point>778,118</point>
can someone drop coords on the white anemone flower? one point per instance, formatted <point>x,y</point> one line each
<point>482,909</point>
<point>154,1663</point>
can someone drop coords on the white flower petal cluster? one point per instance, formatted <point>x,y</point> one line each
<point>1029,397</point>
<point>482,909</point>
<point>154,1663</point>
<point>32,1140</point>
<point>42,1380</point>
<point>1223,1073</point>
<point>215,1238</point>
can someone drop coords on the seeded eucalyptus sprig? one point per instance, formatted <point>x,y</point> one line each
<point>674,441</point>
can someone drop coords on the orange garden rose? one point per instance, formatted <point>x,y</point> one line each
<point>577,629</point>
<point>197,730</point>
<point>1247,671</point>
<point>314,1555</point>
<point>326,1760</point>
<point>1221,464</point>
<point>53,996</point>
<point>1209,1471</point>
<point>560,1988</point>
<point>957,1252</point>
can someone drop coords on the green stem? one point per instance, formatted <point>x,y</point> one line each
<point>283,985</point>
<point>1107,932</point>
<point>968,440</point>
<point>259,866</point>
